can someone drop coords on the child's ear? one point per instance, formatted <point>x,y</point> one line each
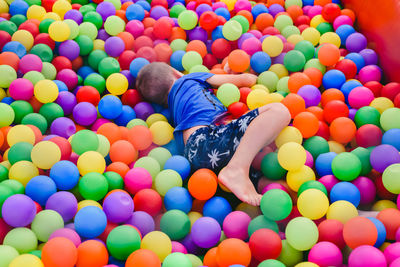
<point>177,74</point>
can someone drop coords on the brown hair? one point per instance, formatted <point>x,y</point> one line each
<point>154,82</point>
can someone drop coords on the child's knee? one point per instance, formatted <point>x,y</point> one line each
<point>280,111</point>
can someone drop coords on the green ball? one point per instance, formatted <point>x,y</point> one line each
<point>37,253</point>
<point>20,151</point>
<point>175,223</point>
<point>160,154</point>
<point>282,85</point>
<point>5,192</point>
<point>391,178</point>
<point>176,10</point>
<point>178,44</point>
<point>289,256</point>
<point>363,155</point>
<point>7,254</point>
<point>289,3</point>
<point>324,27</point>
<point>95,57</point>
<point>7,115</point>
<point>312,185</point>
<point>49,71</point>
<point>276,204</point>
<point>34,2</point>
<point>88,29</point>
<point>367,115</point>
<point>282,21</point>
<point>114,25</point>
<point>316,145</point>
<point>21,109</point>
<point>85,45</point>
<point>167,179</point>
<point>290,30</point>
<point>93,186</point>
<point>390,119</point>
<point>294,61</point>
<point>51,111</point>
<point>346,166</point>
<point>94,18</point>
<point>8,74</point>
<point>187,19</point>
<point>45,223</point>
<point>191,59</point>
<point>177,259</point>
<point>8,26</point>
<point>86,8</point>
<point>136,122</point>
<point>22,239</point>
<point>271,168</point>
<point>150,164</point>
<point>43,51</point>
<point>271,263</point>
<point>301,233</point>
<point>44,25</point>
<point>15,186</point>
<point>84,141</point>
<point>269,79</point>
<point>18,19</point>
<point>37,120</point>
<point>228,93</point>
<point>122,241</point>
<point>97,81</point>
<point>34,76</point>
<point>306,48</point>
<point>114,180</point>
<point>243,22</point>
<point>4,171</point>
<point>232,30</point>
<point>261,222</point>
<point>314,63</point>
<point>108,66</point>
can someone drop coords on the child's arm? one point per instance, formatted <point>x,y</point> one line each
<point>240,80</point>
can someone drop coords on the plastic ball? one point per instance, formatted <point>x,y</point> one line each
<point>157,242</point>
<point>390,178</point>
<point>325,254</point>
<point>301,233</point>
<point>265,240</point>
<point>143,258</point>
<point>122,241</point>
<point>276,204</point>
<point>388,119</point>
<point>52,248</point>
<point>93,186</point>
<point>26,259</point>
<point>271,167</point>
<point>213,232</point>
<point>59,31</point>
<point>187,19</point>
<point>313,204</point>
<point>203,184</point>
<point>23,171</point>
<point>235,225</point>
<point>121,202</point>
<point>40,188</point>
<point>64,203</point>
<point>380,163</point>
<point>367,255</point>
<point>232,30</point>
<point>233,251</point>
<point>228,93</point>
<point>342,211</point>
<point>22,239</point>
<point>178,198</point>
<point>358,224</point>
<point>291,156</point>
<point>90,222</point>
<point>92,252</point>
<point>18,210</point>
<point>46,91</point>
<point>7,115</point>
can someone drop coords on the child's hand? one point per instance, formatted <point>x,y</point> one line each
<point>248,79</point>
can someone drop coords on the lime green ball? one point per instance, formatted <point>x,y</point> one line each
<point>114,181</point>
<point>187,19</point>
<point>271,263</point>
<point>108,66</point>
<point>97,81</point>
<point>289,3</point>
<point>312,185</point>
<point>367,115</point>
<point>114,25</point>
<point>314,63</point>
<point>390,119</point>
<point>7,254</point>
<point>175,223</point>
<point>36,119</point>
<point>290,30</point>
<point>282,85</point>
<point>271,168</point>
<point>346,166</point>
<point>316,145</point>
<point>22,239</point>
<point>294,61</point>
<point>74,28</point>
<point>89,29</point>
<point>49,71</point>
<point>150,164</point>
<point>7,115</point>
<point>93,186</point>
<point>43,51</point>
<point>363,155</point>
<point>243,22</point>
<point>261,222</point>
<point>104,145</point>
<point>45,223</point>
<point>176,10</point>
<point>232,30</point>
<point>160,154</point>
<point>34,76</point>
<point>167,179</point>
<point>8,74</point>
<point>269,79</point>
<point>196,261</point>
<point>289,256</point>
<point>177,259</point>
<point>178,44</point>
<point>122,241</point>
<point>15,186</point>
<point>191,59</point>
<point>391,178</point>
<point>21,109</point>
<point>84,141</point>
<point>5,191</point>
<point>3,172</point>
<point>136,122</point>
<point>282,21</point>
<point>20,151</point>
<point>199,68</point>
<point>276,204</point>
<point>301,233</point>
<point>306,48</point>
<point>228,93</point>
<point>116,3</point>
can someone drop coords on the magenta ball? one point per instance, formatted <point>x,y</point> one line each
<point>67,233</point>
<point>21,89</point>
<point>63,127</point>
<point>365,255</point>
<point>242,5</point>
<point>18,210</point>
<point>235,225</point>
<point>178,247</point>
<point>328,181</point>
<point>251,45</point>
<point>142,221</point>
<point>314,11</point>
<point>69,77</point>
<point>310,94</point>
<point>395,263</point>
<point>206,232</point>
<point>383,156</point>
<point>309,159</point>
<point>114,46</point>
<point>274,186</point>
<point>360,97</point>
<point>85,113</point>
<point>397,237</point>
<point>118,207</point>
<point>367,189</point>
<point>30,62</point>
<point>96,125</point>
<point>65,203</point>
<point>137,179</point>
<point>135,27</point>
<point>370,73</point>
<point>325,254</point>
<point>342,20</point>
<point>392,252</point>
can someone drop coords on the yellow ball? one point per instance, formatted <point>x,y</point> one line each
<point>382,104</point>
<point>51,15</point>
<point>257,98</point>
<point>194,216</point>
<point>260,86</point>
<point>45,154</point>
<point>59,31</point>
<point>306,264</point>
<point>3,94</point>
<point>3,6</point>
<point>61,7</point>
<point>158,242</point>
<point>289,134</point>
<point>279,70</point>
<point>230,4</point>
<point>316,20</point>
<point>272,45</point>
<point>342,211</point>
<point>25,260</point>
<point>312,35</point>
<point>91,161</point>
<point>313,204</point>
<point>336,147</point>
<point>6,164</point>
<point>35,12</point>
<point>98,44</point>
<point>20,133</point>
<point>292,156</point>
<point>274,98</point>
<point>298,177</point>
<point>250,210</point>
<point>23,171</point>
<point>46,91</point>
<point>384,246</point>
<point>154,118</point>
<point>330,38</point>
<point>384,204</point>
<point>295,38</point>
<point>117,84</point>
<point>87,202</point>
<point>162,132</point>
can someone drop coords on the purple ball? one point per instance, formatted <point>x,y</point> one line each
<point>118,207</point>
<point>129,77</point>
<point>67,101</point>
<point>206,232</point>
<point>74,15</point>
<point>18,210</point>
<point>143,110</point>
<point>105,9</point>
<point>85,113</point>
<point>356,42</point>
<point>198,33</point>
<point>158,12</point>
<point>370,56</point>
<point>69,49</point>
<point>114,46</point>
<point>310,94</point>
<point>352,113</point>
<point>143,221</point>
<point>275,9</point>
<point>67,233</point>
<point>367,189</point>
<point>383,156</point>
<point>203,8</point>
<point>190,246</point>
<point>69,77</point>
<point>279,59</point>
<point>64,203</point>
<point>235,225</point>
<point>102,35</point>
<point>63,127</point>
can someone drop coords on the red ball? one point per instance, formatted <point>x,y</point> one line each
<point>237,109</point>
<point>391,90</point>
<point>332,231</point>
<point>397,101</point>
<point>4,38</point>
<point>208,20</point>
<point>162,3</point>
<point>4,229</point>
<point>88,94</point>
<point>30,27</point>
<point>110,226</point>
<point>302,20</point>
<point>131,97</point>
<point>330,12</point>
<point>375,87</point>
<point>369,135</point>
<point>381,191</point>
<point>44,38</point>
<point>61,63</point>
<point>149,201</point>
<point>271,31</point>
<point>335,109</point>
<point>221,20</point>
<point>302,27</point>
<point>162,29</point>
<point>244,92</point>
<point>221,48</point>
<point>126,58</point>
<point>265,244</point>
<point>348,67</point>
<point>147,53</point>
<point>148,32</point>
<point>323,130</point>
<point>48,4</point>
<point>209,61</point>
<point>78,6</point>
<point>64,145</point>
<point>142,41</point>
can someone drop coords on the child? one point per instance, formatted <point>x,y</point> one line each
<point>226,149</point>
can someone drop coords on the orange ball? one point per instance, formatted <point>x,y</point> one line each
<point>203,184</point>
<point>247,15</point>
<point>294,12</point>
<point>148,22</point>
<point>1,139</point>
<point>110,131</point>
<point>295,104</point>
<point>124,132</point>
<point>317,111</point>
<point>143,258</point>
<point>177,33</point>
<point>264,20</point>
<point>9,58</point>
<point>349,12</point>
<point>391,220</point>
<point>140,137</point>
<point>4,131</point>
<point>59,252</point>
<point>123,151</point>
<point>328,54</point>
<point>342,130</point>
<point>233,251</point>
<point>92,253</point>
<point>297,80</point>
<point>118,167</point>
<point>238,60</point>
<point>315,76</point>
<point>197,46</point>
<point>163,52</point>
<point>37,132</point>
<point>279,2</point>
<point>322,2</point>
<point>128,39</point>
<point>307,123</point>
<point>331,94</point>
<point>210,259</point>
<point>359,231</point>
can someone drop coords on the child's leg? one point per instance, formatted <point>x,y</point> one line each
<point>261,131</point>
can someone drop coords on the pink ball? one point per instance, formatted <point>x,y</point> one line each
<point>367,189</point>
<point>325,254</point>
<point>274,186</point>
<point>69,77</point>
<point>328,181</point>
<point>398,202</point>
<point>365,255</point>
<point>309,159</point>
<point>370,73</point>
<point>191,5</point>
<point>218,5</point>
<point>135,27</point>
<point>67,233</point>
<point>145,152</point>
<point>392,252</point>
<point>256,33</point>
<point>314,10</point>
<point>342,20</point>
<point>395,263</point>
<point>235,225</point>
<point>397,237</point>
<point>137,179</point>
<point>242,5</point>
<point>21,89</point>
<point>360,97</point>
<point>178,247</point>
<point>30,62</point>
<point>96,125</point>
<point>251,45</point>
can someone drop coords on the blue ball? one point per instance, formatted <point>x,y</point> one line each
<point>176,60</point>
<point>345,191</point>
<point>323,163</point>
<point>90,222</point>
<point>85,71</point>
<point>217,33</point>
<point>126,116</point>
<point>61,85</point>
<point>381,231</point>
<point>260,62</point>
<point>392,137</point>
<point>146,6</point>
<point>172,147</point>
<point>137,64</point>
<point>336,2</point>
<point>40,188</point>
<point>357,59</point>
<point>333,79</point>
<point>223,12</point>
<point>135,12</point>
<point>178,198</point>
<point>217,208</point>
<point>308,2</point>
<point>18,7</point>
<point>179,164</point>
<point>7,100</point>
<point>348,86</point>
<point>344,31</point>
<point>110,107</point>
<point>258,9</point>
<point>65,174</point>
<point>15,47</point>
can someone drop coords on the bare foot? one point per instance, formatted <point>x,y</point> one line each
<point>238,181</point>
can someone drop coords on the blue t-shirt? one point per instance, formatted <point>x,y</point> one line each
<point>192,104</point>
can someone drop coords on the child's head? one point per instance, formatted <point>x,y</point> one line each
<point>154,82</point>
